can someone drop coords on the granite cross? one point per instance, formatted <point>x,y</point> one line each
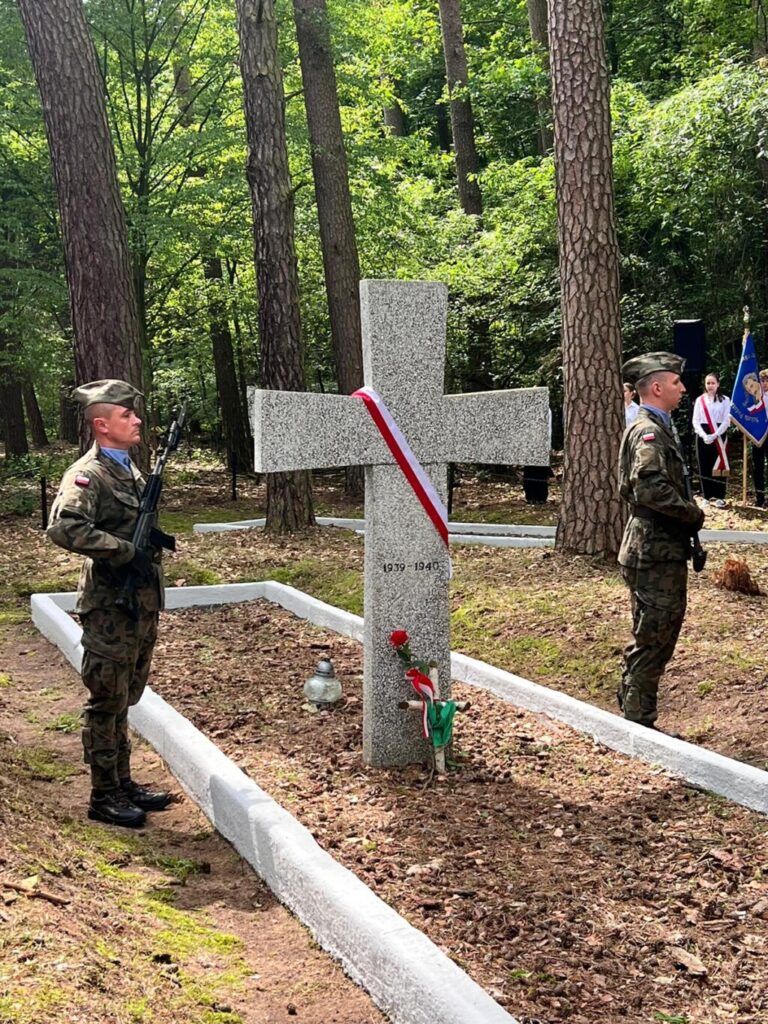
<point>406,562</point>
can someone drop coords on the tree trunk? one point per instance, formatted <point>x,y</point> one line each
<point>334,205</point>
<point>289,495</point>
<point>14,433</point>
<point>34,416</point>
<point>760,30</point>
<point>233,421</point>
<point>232,403</point>
<point>68,424</point>
<point>467,160</point>
<point>101,293</point>
<point>394,120</point>
<point>537,21</point>
<point>591,512</point>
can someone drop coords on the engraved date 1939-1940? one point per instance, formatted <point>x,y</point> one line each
<point>416,566</point>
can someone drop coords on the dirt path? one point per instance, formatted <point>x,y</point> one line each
<point>166,925</point>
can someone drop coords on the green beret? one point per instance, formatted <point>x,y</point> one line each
<point>108,392</point>
<point>634,370</point>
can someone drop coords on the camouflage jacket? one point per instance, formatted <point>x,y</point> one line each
<point>94,515</point>
<point>652,477</point>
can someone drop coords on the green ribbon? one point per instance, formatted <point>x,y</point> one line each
<point>440,715</point>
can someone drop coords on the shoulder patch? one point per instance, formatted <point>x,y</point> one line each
<point>82,480</point>
<point>649,437</point>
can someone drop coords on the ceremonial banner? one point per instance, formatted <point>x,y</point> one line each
<point>748,406</point>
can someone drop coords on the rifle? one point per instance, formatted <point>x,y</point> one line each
<point>698,554</point>
<point>145,534</point>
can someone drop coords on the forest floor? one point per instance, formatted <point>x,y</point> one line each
<point>571,882</point>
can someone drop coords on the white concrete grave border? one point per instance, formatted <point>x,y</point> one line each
<point>408,977</point>
<point>406,974</point>
<point>499,535</point>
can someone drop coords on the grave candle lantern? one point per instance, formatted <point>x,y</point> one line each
<point>323,688</point>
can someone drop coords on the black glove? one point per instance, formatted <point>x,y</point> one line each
<point>159,539</point>
<point>141,564</point>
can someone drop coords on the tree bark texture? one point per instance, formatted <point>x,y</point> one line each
<point>233,421</point>
<point>462,122</point>
<point>537,21</point>
<point>289,495</point>
<point>34,416</point>
<point>341,265</point>
<point>591,512</point>
<point>101,291</point>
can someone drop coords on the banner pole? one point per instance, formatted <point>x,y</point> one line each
<point>744,472</point>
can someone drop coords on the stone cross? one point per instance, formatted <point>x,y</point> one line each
<point>407,566</point>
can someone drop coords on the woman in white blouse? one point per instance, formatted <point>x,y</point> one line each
<point>711,419</point>
<point>631,408</point>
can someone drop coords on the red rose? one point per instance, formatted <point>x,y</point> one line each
<point>399,638</point>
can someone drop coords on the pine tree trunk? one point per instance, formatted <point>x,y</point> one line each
<point>101,292</point>
<point>462,122</point>
<point>68,424</point>
<point>537,21</point>
<point>334,204</point>
<point>394,120</point>
<point>14,432</point>
<point>289,495</point>
<point>591,512</point>
<point>232,416</point>
<point>34,416</point>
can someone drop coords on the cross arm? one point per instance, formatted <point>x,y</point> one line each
<point>303,430</point>
<point>511,427</point>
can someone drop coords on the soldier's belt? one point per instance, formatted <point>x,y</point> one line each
<point>674,526</point>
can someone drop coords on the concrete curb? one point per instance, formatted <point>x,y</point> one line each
<point>406,974</point>
<point>500,535</point>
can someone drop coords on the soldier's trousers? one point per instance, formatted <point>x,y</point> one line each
<point>659,595</point>
<point>117,653</point>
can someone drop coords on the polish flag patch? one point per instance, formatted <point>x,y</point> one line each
<point>649,437</point>
<point>82,481</point>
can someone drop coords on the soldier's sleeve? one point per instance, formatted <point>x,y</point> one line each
<point>73,523</point>
<point>652,486</point>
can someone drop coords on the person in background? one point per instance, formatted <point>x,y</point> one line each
<point>631,408</point>
<point>759,452</point>
<point>711,419</point>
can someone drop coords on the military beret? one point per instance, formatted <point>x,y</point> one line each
<point>634,370</point>
<point>109,392</point>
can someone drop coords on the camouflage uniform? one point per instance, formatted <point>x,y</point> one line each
<point>653,557</point>
<point>94,515</point>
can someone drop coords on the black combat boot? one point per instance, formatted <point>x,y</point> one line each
<point>113,807</point>
<point>146,799</point>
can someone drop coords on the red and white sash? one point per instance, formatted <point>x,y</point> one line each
<point>406,460</point>
<point>721,465</point>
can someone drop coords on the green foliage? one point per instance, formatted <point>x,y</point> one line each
<point>65,722</point>
<point>689,110</point>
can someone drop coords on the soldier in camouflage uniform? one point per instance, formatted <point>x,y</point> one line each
<point>657,539</point>
<point>94,515</point>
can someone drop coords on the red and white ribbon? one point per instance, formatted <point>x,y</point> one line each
<point>406,460</point>
<point>425,688</point>
<point>721,465</point>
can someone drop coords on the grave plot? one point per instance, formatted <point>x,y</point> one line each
<point>570,882</point>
